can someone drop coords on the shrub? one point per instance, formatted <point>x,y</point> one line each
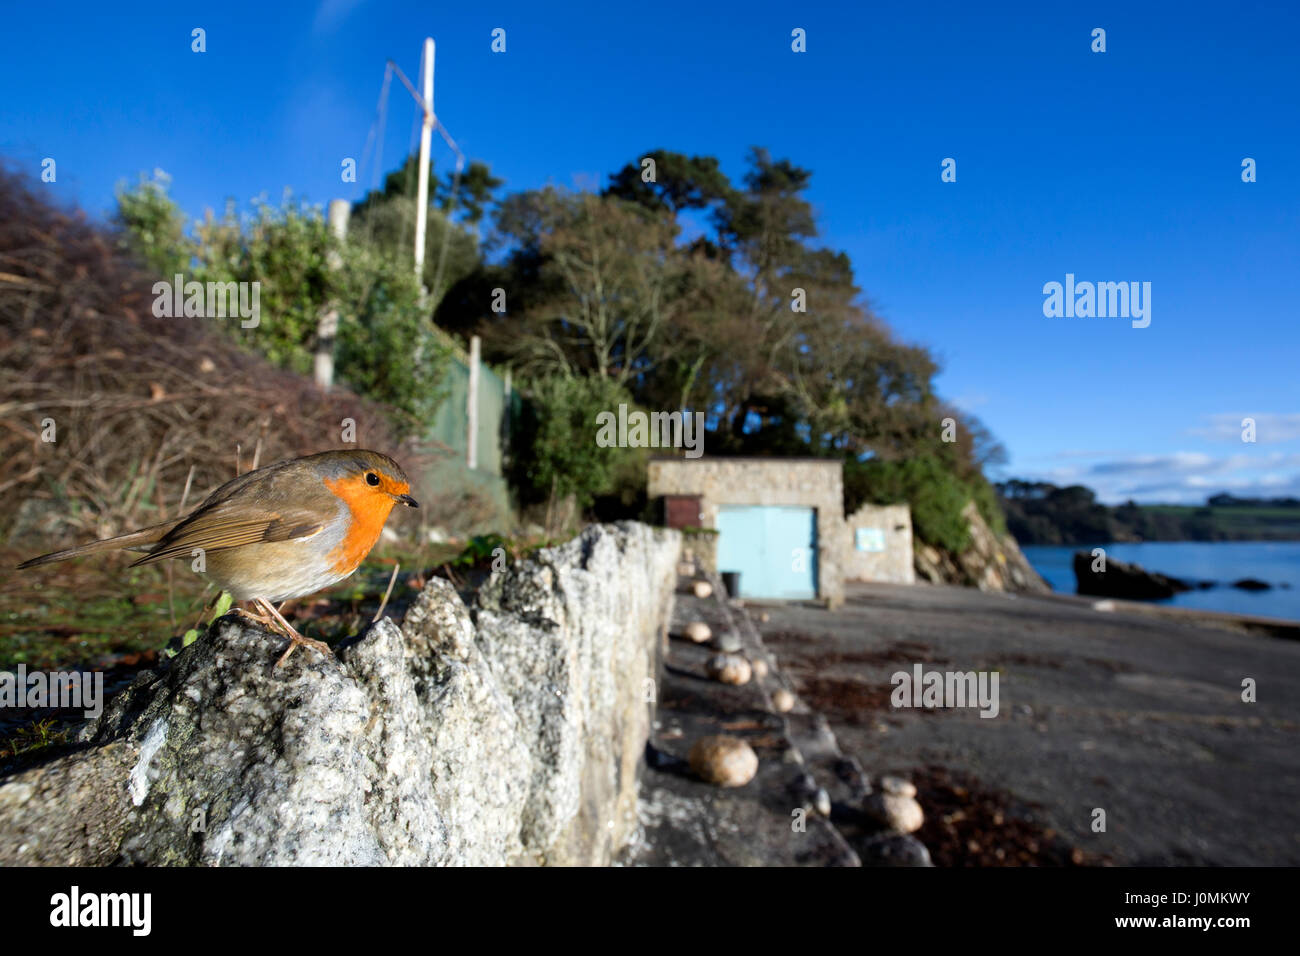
<point>132,400</point>
<point>558,455</point>
<point>935,495</point>
<point>385,349</point>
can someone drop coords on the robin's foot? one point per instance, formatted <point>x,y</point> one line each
<point>296,640</point>
<point>263,619</point>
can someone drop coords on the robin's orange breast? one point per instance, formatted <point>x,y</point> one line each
<point>366,514</point>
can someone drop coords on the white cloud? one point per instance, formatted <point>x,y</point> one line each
<point>1183,477</point>
<point>1269,426</point>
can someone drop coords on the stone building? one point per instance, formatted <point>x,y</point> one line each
<point>779,521</point>
<point>879,546</point>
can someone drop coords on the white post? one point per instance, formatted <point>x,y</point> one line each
<point>328,324</point>
<point>505,416</point>
<point>426,136</point>
<point>471,405</point>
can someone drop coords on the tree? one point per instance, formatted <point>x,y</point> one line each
<point>679,182</point>
<point>750,321</point>
<point>472,196</point>
<point>613,280</point>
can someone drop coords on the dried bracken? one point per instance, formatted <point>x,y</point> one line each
<point>133,402</point>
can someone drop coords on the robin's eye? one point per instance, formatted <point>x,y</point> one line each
<point>372,478</point>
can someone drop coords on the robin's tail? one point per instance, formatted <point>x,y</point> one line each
<point>133,540</point>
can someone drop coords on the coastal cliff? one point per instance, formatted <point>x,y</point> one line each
<point>990,563</point>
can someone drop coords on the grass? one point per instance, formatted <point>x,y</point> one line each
<point>98,613</point>
<point>36,736</point>
<point>1241,522</point>
<point>95,611</point>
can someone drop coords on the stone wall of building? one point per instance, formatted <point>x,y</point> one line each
<point>814,483</point>
<point>879,545</point>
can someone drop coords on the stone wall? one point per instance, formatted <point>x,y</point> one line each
<point>509,731</point>
<point>814,483</point>
<point>888,527</point>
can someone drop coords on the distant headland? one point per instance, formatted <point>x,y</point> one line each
<point>1042,513</point>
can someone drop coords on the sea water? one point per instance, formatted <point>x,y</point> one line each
<point>1274,562</point>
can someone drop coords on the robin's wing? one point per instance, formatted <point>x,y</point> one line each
<point>230,524</point>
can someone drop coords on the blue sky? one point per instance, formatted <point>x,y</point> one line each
<point>1115,166</point>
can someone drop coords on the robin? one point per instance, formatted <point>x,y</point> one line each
<point>277,533</point>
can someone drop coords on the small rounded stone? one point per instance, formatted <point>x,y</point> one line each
<point>702,589</point>
<point>760,668</point>
<point>698,631</point>
<point>901,814</point>
<point>783,700</point>
<point>822,802</point>
<point>728,642</point>
<point>729,669</point>
<point>725,761</point>
<point>897,786</point>
<point>894,849</point>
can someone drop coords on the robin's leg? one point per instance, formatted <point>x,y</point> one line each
<point>260,618</point>
<point>295,639</point>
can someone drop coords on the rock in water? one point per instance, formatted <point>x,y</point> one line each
<point>1252,584</point>
<point>1123,580</point>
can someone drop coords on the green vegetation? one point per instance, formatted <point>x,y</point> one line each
<point>749,321</point>
<point>936,494</point>
<point>387,348</point>
<point>481,550</point>
<point>37,736</point>
<point>558,455</point>
<point>597,299</point>
<point>1042,513</point>
<point>153,226</point>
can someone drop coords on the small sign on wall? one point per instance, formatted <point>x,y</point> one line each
<point>869,539</point>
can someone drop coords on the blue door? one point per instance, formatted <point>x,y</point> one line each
<point>774,548</point>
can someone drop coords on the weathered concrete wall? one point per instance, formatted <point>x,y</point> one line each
<point>506,732</point>
<point>886,526</point>
<point>814,483</point>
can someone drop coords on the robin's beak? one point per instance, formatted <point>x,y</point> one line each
<point>407,500</point>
